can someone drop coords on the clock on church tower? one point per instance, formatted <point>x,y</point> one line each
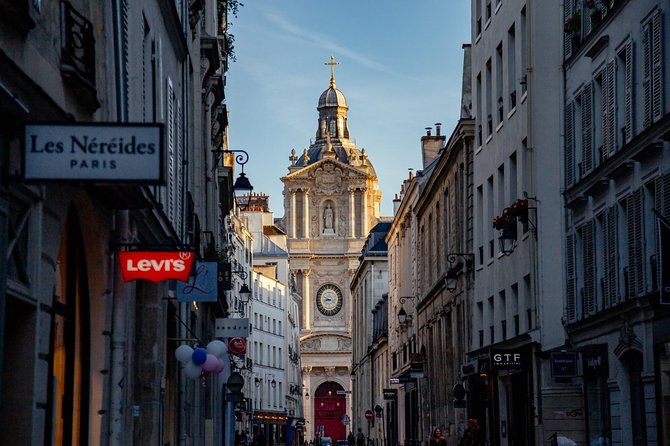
<point>329,300</point>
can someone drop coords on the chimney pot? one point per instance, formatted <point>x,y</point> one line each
<point>437,128</point>
<point>428,129</point>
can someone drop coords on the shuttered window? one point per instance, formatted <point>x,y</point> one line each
<point>609,116</point>
<point>588,267</point>
<point>628,92</point>
<point>569,144</point>
<point>610,263</point>
<point>571,278</point>
<point>662,206</point>
<point>652,69</point>
<point>587,129</point>
<point>568,9</point>
<point>635,228</point>
<point>170,127</point>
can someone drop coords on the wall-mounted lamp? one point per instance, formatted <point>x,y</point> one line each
<point>245,293</point>
<point>507,239</point>
<point>403,318</point>
<point>242,187</point>
<point>451,279</point>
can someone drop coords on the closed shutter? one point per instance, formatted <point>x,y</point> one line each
<point>636,283</point>
<point>569,144</point>
<point>610,262</point>
<point>610,127</point>
<point>588,266</point>
<point>179,171</point>
<point>662,206</point>
<point>169,120</point>
<point>657,66</point>
<point>571,278</point>
<point>628,92</point>
<point>567,37</point>
<point>587,130</point>
<point>646,75</point>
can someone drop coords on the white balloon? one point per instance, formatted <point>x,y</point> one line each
<point>192,370</point>
<point>217,348</point>
<point>183,353</point>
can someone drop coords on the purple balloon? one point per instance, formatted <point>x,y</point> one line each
<point>211,363</point>
<point>199,356</point>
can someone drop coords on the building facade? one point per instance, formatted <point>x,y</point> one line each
<point>616,126</point>
<point>86,357</point>
<point>518,294</point>
<point>370,353</point>
<point>331,200</point>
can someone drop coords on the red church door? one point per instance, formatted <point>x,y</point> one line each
<point>329,407</point>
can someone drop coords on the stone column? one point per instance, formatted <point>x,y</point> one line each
<point>307,300</point>
<point>305,213</point>
<point>291,231</point>
<point>352,212</point>
<point>364,212</point>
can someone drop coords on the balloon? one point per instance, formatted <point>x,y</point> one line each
<point>220,367</point>
<point>199,356</point>
<point>192,370</point>
<point>211,363</point>
<point>183,353</point>
<point>217,348</point>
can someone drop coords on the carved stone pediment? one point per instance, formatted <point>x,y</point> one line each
<point>328,179</point>
<point>326,343</point>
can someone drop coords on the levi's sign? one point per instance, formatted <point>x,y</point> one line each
<point>94,152</point>
<point>155,265</point>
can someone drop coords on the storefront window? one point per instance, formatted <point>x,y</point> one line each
<point>596,372</point>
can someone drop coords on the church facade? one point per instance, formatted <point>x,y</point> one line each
<point>331,201</point>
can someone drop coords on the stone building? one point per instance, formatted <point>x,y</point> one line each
<point>617,193</point>
<point>87,358</point>
<point>331,200</point>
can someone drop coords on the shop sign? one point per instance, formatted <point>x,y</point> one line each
<point>564,364</point>
<point>390,394</point>
<point>508,359</point>
<point>595,362</point>
<point>94,152</point>
<point>229,327</point>
<point>237,346</point>
<point>155,265</point>
<point>202,286</point>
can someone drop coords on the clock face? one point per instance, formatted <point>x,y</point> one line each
<point>329,300</point>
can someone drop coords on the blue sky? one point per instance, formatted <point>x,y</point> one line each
<point>401,70</point>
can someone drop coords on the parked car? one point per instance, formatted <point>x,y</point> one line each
<point>326,441</point>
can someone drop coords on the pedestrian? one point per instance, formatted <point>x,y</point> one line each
<point>351,439</point>
<point>438,438</point>
<point>472,435</point>
<point>360,438</point>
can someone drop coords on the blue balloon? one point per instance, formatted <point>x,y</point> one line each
<point>199,356</point>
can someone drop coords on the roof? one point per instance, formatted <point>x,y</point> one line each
<point>332,97</point>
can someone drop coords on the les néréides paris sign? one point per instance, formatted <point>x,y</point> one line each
<point>103,152</point>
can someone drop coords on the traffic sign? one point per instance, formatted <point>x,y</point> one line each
<point>345,419</point>
<point>369,415</point>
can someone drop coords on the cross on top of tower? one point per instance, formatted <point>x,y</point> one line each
<point>332,64</point>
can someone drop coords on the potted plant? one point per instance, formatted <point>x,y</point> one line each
<point>573,24</point>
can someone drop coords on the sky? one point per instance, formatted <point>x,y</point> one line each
<point>400,70</point>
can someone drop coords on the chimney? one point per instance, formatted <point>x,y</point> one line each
<point>432,145</point>
<point>396,204</point>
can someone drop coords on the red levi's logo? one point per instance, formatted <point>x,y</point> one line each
<point>155,265</point>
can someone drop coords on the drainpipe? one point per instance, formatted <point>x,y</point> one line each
<point>118,378</point>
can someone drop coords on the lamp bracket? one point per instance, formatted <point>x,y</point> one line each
<point>469,258</point>
<point>402,299</point>
<point>241,158</point>
<point>241,273</point>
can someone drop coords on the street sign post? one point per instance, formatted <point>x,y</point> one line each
<point>345,419</point>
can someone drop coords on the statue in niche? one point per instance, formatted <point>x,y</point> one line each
<point>328,220</point>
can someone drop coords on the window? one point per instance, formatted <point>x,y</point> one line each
<point>635,239</point>
<point>488,10</point>
<point>478,24</point>
<point>478,98</point>
<point>524,50</point>
<point>499,83</point>
<point>511,66</point>
<point>624,94</point>
<point>569,150</point>
<point>652,69</point>
<point>490,211</point>
<point>513,194</point>
<point>489,99</point>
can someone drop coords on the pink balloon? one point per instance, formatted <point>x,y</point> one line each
<point>211,363</point>
<point>221,366</point>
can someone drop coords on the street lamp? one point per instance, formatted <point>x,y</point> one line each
<point>242,187</point>
<point>507,239</point>
<point>451,279</point>
<point>403,317</point>
<point>245,293</point>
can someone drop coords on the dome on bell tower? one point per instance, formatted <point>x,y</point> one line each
<point>332,97</point>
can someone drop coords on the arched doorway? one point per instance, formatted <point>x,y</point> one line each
<point>69,377</point>
<point>329,407</point>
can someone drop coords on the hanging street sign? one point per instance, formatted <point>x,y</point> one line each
<point>155,265</point>
<point>102,152</point>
